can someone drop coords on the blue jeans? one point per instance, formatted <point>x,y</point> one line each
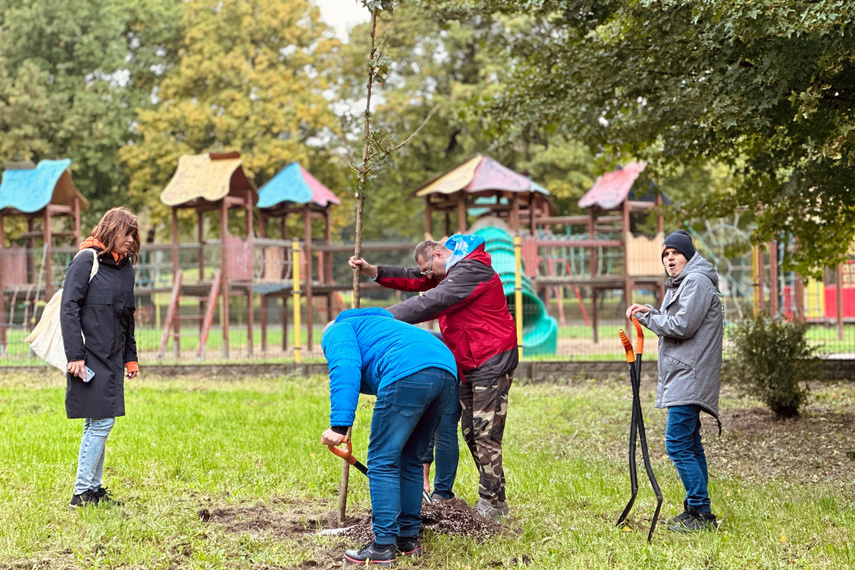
<point>683,444</point>
<point>447,449</point>
<point>90,460</point>
<point>405,416</point>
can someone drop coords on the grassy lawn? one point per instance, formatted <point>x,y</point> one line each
<point>784,491</point>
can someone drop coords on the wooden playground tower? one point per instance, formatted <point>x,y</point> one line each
<point>524,204</point>
<point>487,185</point>
<point>36,193</point>
<point>253,265</point>
<point>204,183</point>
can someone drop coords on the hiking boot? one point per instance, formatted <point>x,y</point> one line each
<point>87,497</point>
<point>436,497</point>
<point>105,498</point>
<point>486,509</point>
<point>502,508</point>
<point>383,555</point>
<point>409,545</point>
<point>691,520</point>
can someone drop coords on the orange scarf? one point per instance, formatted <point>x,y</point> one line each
<point>92,242</point>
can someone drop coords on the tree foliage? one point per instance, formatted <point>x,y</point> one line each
<point>251,76</point>
<point>765,87</point>
<point>72,74</point>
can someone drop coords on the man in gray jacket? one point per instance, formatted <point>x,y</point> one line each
<point>690,326</point>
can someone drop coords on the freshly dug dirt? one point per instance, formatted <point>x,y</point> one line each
<point>452,517</point>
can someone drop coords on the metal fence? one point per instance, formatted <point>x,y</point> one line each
<point>261,302</point>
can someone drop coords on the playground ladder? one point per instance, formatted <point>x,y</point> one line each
<point>174,318</point>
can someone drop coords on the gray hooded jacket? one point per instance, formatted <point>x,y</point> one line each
<point>690,326</point>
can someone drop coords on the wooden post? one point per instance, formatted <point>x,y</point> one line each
<point>200,238</point>
<point>75,213</point>
<point>428,220</point>
<point>295,256</point>
<point>47,236</point>
<point>226,288</point>
<point>176,322</point>
<point>307,228</point>
<point>461,212</point>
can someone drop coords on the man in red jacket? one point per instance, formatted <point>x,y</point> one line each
<point>464,293</point>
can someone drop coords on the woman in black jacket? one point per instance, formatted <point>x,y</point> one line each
<point>103,311</point>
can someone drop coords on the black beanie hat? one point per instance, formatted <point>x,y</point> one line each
<point>682,242</point>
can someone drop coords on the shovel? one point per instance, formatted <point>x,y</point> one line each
<point>346,453</point>
<point>636,428</point>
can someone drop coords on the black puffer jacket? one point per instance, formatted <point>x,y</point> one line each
<point>103,310</point>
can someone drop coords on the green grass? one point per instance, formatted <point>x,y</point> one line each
<point>188,444</point>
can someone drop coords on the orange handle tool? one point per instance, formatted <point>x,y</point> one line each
<point>627,346</point>
<point>639,336</point>
<point>346,453</point>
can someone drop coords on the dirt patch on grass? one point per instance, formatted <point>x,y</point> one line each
<point>819,445</point>
<point>452,517</point>
<point>256,520</point>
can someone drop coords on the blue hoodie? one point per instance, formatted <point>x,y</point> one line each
<point>367,349</point>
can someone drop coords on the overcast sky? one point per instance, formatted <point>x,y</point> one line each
<point>342,14</point>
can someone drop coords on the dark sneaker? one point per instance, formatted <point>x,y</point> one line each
<point>409,545</point>
<point>685,516</point>
<point>436,497</point>
<point>692,521</point>
<point>383,555</point>
<point>105,498</point>
<point>87,497</point>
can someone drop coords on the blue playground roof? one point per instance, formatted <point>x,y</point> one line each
<point>295,184</point>
<point>32,189</point>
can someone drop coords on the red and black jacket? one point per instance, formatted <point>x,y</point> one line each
<point>470,306</point>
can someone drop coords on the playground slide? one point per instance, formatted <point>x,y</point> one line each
<point>540,331</point>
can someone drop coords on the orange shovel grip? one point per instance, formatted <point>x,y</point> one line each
<point>345,453</point>
<point>639,336</point>
<point>627,346</point>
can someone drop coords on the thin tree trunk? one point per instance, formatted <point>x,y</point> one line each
<point>362,170</point>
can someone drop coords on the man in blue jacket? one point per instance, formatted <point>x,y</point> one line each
<point>413,375</point>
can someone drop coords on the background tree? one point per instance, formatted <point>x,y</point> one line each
<point>252,76</point>
<point>72,74</point>
<point>766,88</point>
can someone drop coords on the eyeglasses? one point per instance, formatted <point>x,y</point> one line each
<point>429,271</point>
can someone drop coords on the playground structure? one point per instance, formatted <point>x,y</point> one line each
<point>616,258</point>
<point>34,193</point>
<point>596,253</point>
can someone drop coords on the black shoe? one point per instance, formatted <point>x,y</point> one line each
<point>685,516</point>
<point>409,545</point>
<point>87,497</point>
<point>691,520</point>
<point>105,498</point>
<point>383,555</point>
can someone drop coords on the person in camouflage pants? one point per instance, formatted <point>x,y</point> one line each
<point>485,409</point>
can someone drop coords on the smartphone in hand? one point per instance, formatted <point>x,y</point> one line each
<point>89,374</point>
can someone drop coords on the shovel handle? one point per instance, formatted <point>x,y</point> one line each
<point>639,336</point>
<point>627,346</point>
<point>345,453</point>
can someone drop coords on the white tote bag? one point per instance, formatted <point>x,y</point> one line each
<point>46,338</point>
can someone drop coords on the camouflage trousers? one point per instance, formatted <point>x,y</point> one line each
<point>485,408</point>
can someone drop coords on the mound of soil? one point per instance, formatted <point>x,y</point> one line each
<point>452,517</point>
